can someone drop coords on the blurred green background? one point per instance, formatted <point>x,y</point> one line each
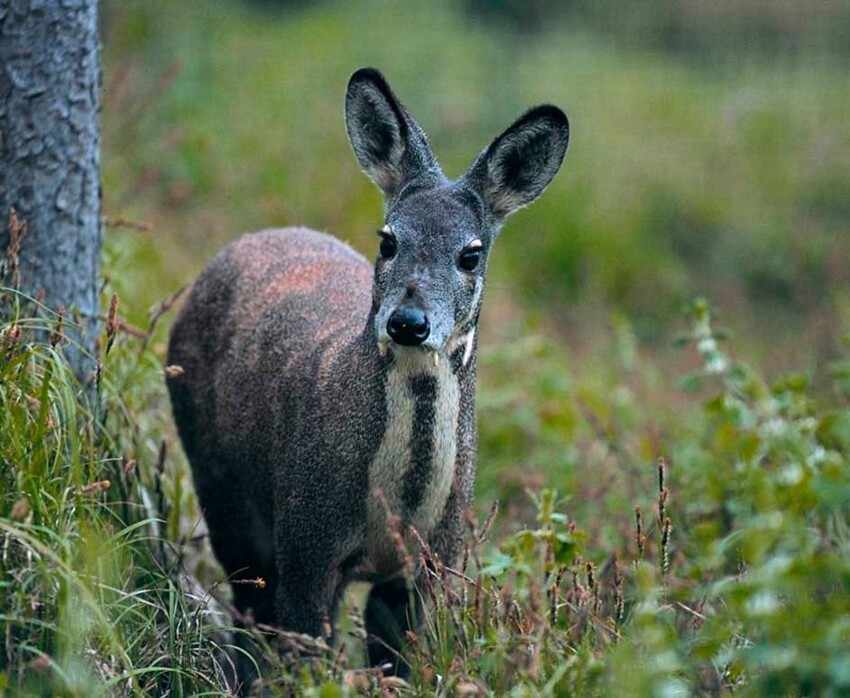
<point>709,156</point>
<point>710,145</point>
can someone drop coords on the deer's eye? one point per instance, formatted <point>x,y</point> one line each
<point>389,246</point>
<point>469,258</point>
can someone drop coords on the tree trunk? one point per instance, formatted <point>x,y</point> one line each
<point>50,157</point>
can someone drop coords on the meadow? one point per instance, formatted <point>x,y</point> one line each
<point>664,376</point>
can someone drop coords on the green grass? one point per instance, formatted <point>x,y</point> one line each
<point>92,597</point>
<point>684,177</point>
<point>736,581</point>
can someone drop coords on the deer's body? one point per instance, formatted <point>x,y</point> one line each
<point>321,393</point>
<point>299,447</point>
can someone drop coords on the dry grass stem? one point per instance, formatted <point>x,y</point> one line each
<point>112,322</point>
<point>488,522</point>
<point>120,222</point>
<point>57,334</point>
<point>394,531</point>
<point>258,582</point>
<point>17,233</point>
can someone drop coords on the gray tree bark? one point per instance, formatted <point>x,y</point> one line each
<point>50,156</point>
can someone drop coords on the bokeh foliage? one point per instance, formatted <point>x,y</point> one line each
<point>718,172</point>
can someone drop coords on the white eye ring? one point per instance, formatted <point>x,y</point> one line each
<point>475,245</point>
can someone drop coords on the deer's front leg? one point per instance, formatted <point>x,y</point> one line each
<point>391,610</point>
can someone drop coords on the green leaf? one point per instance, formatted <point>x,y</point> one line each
<point>499,563</point>
<point>689,383</point>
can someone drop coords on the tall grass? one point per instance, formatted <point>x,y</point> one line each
<point>92,594</point>
<point>726,571</point>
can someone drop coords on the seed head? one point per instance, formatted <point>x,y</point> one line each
<point>640,539</point>
<point>665,545</point>
<point>173,371</point>
<point>112,322</point>
<point>96,487</point>
<point>57,335</point>
<point>17,232</point>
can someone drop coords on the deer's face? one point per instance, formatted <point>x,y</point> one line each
<point>429,272</point>
<point>429,275</point>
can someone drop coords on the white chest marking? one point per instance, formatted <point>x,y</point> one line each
<point>389,469</point>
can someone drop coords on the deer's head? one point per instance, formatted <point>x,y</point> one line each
<point>437,233</point>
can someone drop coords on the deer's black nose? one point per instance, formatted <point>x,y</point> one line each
<point>409,326</point>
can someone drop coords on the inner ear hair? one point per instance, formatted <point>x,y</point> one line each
<point>522,161</point>
<point>390,146</point>
<point>376,128</point>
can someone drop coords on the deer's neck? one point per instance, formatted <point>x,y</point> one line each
<point>415,463</point>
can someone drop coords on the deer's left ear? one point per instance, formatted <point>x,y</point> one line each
<point>519,164</point>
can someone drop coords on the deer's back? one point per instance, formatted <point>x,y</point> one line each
<point>257,339</point>
<point>258,321</point>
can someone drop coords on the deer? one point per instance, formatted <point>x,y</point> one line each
<point>320,393</point>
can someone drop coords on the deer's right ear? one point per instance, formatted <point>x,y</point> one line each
<point>390,147</point>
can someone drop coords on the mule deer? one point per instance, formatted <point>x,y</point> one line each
<point>318,391</point>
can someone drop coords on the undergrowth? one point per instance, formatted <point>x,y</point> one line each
<point>92,595</point>
<point>735,578</point>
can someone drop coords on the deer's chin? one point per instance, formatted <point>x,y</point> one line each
<point>432,345</point>
<point>424,354</point>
